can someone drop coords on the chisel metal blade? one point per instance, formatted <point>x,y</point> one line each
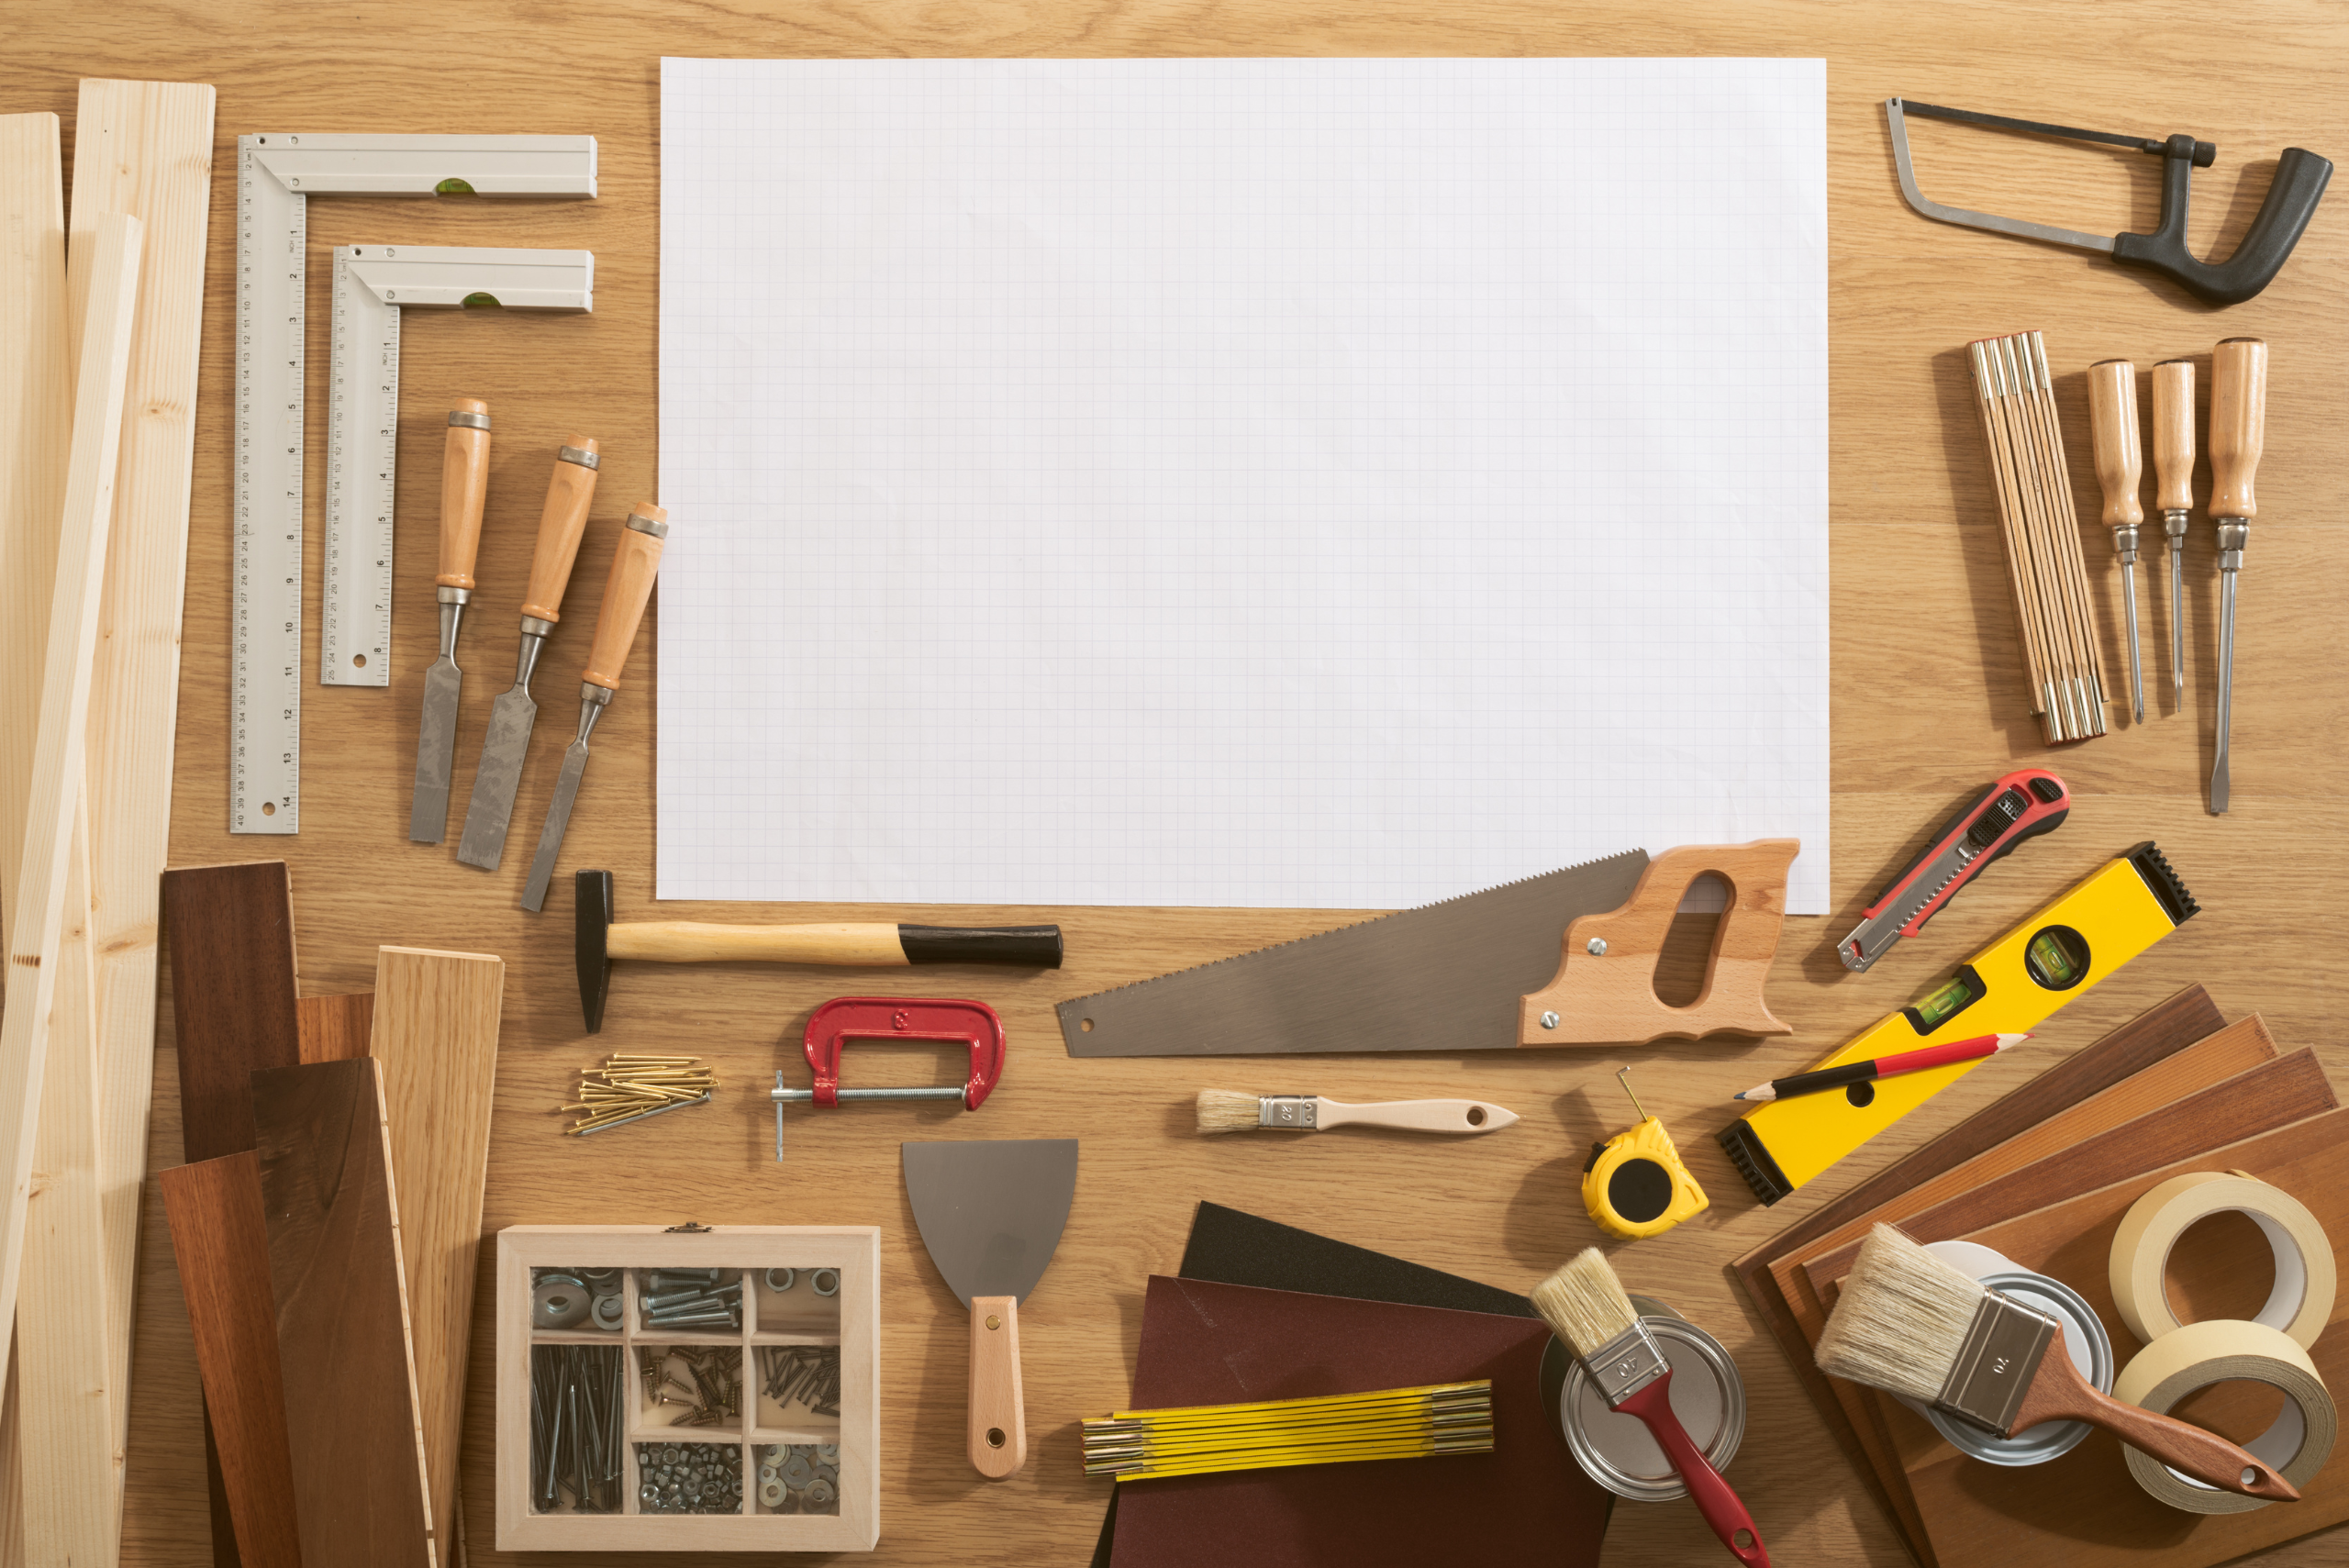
<point>435,753</point>
<point>1445,977</point>
<point>566,790</point>
<point>499,775</point>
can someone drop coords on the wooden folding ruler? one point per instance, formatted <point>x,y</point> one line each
<point>276,174</point>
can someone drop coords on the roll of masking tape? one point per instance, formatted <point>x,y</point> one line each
<point>2302,1302</point>
<point>2223,1350</point>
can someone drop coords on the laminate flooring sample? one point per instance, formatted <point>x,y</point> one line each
<point>233,994</point>
<point>343,1334</point>
<point>220,1240</point>
<point>334,1028</point>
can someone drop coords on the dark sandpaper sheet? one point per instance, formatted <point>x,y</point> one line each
<point>1232,1248</point>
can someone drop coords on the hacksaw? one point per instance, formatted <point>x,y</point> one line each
<point>277,176</point>
<point>1564,958</point>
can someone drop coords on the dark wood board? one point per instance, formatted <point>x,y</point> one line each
<point>220,1240</point>
<point>2159,1030</point>
<point>334,1028</point>
<point>231,930</point>
<point>342,1337</point>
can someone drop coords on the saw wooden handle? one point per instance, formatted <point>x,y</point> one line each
<point>1605,989</point>
<point>2173,435</point>
<point>2112,428</point>
<point>560,528</point>
<point>464,488</point>
<point>997,1432</point>
<point>2238,424</point>
<point>634,564</point>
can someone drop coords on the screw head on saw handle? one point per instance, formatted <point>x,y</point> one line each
<point>844,1018</point>
<point>2022,804</point>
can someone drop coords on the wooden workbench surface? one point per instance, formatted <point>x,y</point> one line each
<point>1928,700</point>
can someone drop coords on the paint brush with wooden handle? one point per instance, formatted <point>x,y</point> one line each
<point>1228,1110</point>
<point>1910,1324</point>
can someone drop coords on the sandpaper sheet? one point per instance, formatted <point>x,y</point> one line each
<point>1204,1342</point>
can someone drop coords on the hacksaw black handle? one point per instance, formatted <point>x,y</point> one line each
<point>2300,179</point>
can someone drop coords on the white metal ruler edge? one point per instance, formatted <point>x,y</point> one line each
<point>276,174</point>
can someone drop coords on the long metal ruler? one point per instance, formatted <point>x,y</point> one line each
<point>277,176</point>
<point>372,285</point>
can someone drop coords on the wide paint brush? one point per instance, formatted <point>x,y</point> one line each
<point>1912,1325</point>
<point>1586,1304</point>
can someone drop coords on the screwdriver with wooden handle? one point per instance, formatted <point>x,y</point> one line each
<point>634,564</point>
<point>2173,494</point>
<point>2120,466</point>
<point>516,713</point>
<point>2238,432</point>
<point>464,486</point>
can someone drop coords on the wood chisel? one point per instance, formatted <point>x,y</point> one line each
<point>464,487</point>
<point>2119,468</point>
<point>511,719</point>
<point>2173,494</point>
<point>2238,432</point>
<point>1987,830</point>
<point>635,563</point>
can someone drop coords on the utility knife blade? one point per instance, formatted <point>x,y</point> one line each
<point>2021,805</point>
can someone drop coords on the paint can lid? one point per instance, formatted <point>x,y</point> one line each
<point>1618,1450</point>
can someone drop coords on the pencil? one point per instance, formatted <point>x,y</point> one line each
<point>1883,1067</point>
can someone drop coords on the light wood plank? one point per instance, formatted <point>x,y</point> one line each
<point>342,1316</point>
<point>104,357</point>
<point>142,147</point>
<point>220,1238</point>
<point>436,1035</point>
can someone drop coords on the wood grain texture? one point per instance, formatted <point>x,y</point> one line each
<point>2084,1510</point>
<point>102,357</point>
<point>142,147</point>
<point>1925,684</point>
<point>220,1243</point>
<point>436,1036</point>
<point>233,994</point>
<point>334,1028</point>
<point>342,1316</point>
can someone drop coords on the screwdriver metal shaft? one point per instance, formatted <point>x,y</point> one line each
<point>2238,432</point>
<point>2120,466</point>
<point>2173,494</point>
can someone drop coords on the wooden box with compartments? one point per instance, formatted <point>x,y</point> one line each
<point>688,1390</point>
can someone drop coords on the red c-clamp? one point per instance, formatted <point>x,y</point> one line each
<point>844,1018</point>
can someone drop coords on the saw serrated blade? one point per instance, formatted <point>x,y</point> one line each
<point>1446,976</point>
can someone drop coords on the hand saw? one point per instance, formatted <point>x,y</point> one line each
<point>1477,972</point>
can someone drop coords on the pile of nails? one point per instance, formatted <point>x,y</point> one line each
<point>689,1478</point>
<point>689,1298</point>
<point>575,1421</point>
<point>716,1392</point>
<point>799,1478</point>
<point>810,1373</point>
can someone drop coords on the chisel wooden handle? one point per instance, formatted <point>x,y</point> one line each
<point>867,944</point>
<point>2120,454</point>
<point>464,486</point>
<point>559,527</point>
<point>2238,424</point>
<point>2173,435</point>
<point>998,1415</point>
<point>634,564</point>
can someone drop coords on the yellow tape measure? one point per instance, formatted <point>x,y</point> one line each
<point>1635,1184</point>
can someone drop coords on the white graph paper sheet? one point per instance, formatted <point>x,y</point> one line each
<point>1339,483</point>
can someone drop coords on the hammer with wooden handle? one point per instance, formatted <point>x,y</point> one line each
<point>875,944</point>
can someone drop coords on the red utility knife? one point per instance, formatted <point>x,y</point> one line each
<point>2021,805</point>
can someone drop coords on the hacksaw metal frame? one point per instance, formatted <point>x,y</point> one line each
<point>277,176</point>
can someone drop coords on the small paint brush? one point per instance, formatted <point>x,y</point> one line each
<point>1228,1110</point>
<point>1586,1305</point>
<point>1910,1324</point>
<point>1891,1066</point>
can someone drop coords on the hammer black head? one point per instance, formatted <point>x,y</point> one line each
<point>592,910</point>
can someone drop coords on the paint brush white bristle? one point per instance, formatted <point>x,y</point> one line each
<point>1583,1302</point>
<point>1226,1110</point>
<point>1903,1319</point>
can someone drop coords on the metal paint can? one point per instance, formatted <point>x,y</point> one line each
<point>2085,1340</point>
<point>1617,1449</point>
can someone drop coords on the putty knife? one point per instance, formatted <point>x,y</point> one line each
<point>991,1213</point>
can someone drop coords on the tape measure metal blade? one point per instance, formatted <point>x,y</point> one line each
<point>265,657</point>
<point>362,451</point>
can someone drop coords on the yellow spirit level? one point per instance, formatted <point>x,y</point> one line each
<point>2063,951</point>
<point>1635,1184</point>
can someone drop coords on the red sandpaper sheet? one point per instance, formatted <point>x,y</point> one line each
<point>1204,1343</point>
